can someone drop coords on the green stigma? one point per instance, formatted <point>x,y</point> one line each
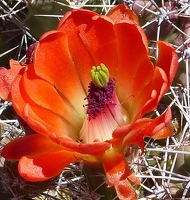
<point>100,75</point>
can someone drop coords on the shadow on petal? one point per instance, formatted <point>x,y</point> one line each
<point>28,145</point>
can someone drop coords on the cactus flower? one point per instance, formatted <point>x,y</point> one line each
<point>85,93</point>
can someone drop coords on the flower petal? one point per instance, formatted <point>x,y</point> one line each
<point>148,98</point>
<point>164,132</point>
<point>35,106</point>
<point>53,63</point>
<point>7,78</point>
<point>45,95</point>
<point>44,166</point>
<point>117,171</point>
<point>18,96</point>
<point>164,73</point>
<point>133,61</point>
<point>120,13</point>
<point>92,39</point>
<point>157,128</point>
<point>96,148</point>
<point>167,60</point>
<point>47,122</point>
<point>28,145</point>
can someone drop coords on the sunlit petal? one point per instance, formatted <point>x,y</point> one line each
<point>44,166</point>
<point>117,171</point>
<point>41,94</point>
<point>58,68</point>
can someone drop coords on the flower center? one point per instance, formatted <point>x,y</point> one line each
<point>104,112</point>
<point>98,98</point>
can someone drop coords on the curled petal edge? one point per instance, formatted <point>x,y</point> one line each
<point>157,128</point>
<point>167,60</point>
<point>95,149</point>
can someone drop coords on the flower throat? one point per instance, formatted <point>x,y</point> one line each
<point>100,91</point>
<point>99,97</point>
<point>104,112</point>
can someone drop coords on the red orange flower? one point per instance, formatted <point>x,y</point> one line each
<point>77,116</point>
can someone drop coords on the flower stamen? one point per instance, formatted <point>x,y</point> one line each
<point>100,75</point>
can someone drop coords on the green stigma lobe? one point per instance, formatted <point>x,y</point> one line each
<point>100,75</point>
